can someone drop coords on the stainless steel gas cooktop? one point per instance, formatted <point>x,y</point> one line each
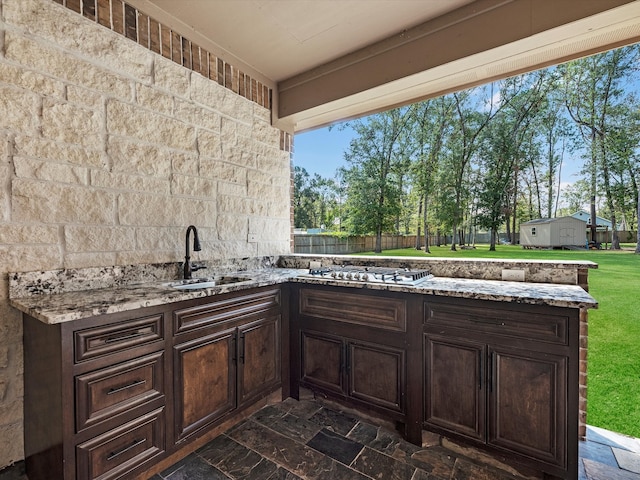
<point>354,273</point>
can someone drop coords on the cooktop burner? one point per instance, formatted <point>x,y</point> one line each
<point>355,273</point>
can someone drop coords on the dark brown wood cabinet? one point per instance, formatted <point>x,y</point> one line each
<point>108,397</point>
<point>499,376</point>
<point>226,355</point>
<point>95,396</point>
<point>352,345</point>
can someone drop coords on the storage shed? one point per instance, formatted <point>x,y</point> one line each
<point>553,232</point>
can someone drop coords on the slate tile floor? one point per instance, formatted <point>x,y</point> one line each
<point>308,440</point>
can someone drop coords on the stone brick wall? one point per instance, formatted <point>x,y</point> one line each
<point>108,150</point>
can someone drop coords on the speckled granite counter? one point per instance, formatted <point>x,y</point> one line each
<point>74,305</point>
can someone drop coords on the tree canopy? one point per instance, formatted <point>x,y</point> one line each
<point>490,157</point>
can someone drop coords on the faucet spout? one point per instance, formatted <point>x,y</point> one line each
<point>196,248</point>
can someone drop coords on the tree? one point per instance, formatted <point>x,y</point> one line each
<point>373,185</point>
<point>469,121</point>
<point>594,96</point>
<point>430,121</point>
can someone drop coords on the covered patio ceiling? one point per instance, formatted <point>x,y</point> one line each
<point>330,60</point>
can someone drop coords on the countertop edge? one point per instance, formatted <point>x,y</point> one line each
<point>66,306</point>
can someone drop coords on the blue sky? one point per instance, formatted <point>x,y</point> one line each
<point>322,150</point>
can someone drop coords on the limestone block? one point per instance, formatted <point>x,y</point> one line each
<point>69,123</point>
<point>62,27</point>
<point>134,157</point>
<point>239,155</point>
<point>256,176</point>
<point>207,92</point>
<point>197,115</point>
<point>264,132</point>
<point>10,322</point>
<point>161,238</point>
<point>232,227</point>
<point>154,99</point>
<point>129,121</point>
<point>11,445</point>
<point>193,186</point>
<point>147,256</point>
<point>18,109</point>
<point>235,205</point>
<point>274,248</point>
<point>31,81</point>
<point>84,96</point>
<point>270,229</point>
<point>80,239</point>
<point>4,356</point>
<point>228,131</point>
<point>25,258</point>
<point>45,149</point>
<point>161,211</point>
<point>262,191</point>
<point>50,171</point>
<point>209,144</point>
<point>17,233</point>
<point>93,259</point>
<point>6,173</point>
<point>234,189</point>
<point>232,249</point>
<point>261,113</point>
<point>5,148</point>
<point>170,76</point>
<point>134,183</point>
<point>36,201</point>
<point>223,171</point>
<point>184,163</point>
<point>59,64</point>
<point>273,164</point>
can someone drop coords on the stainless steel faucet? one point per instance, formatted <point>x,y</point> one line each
<point>188,268</point>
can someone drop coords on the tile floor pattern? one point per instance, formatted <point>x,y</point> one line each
<point>306,440</point>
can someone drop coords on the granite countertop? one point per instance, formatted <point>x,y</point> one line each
<point>75,305</point>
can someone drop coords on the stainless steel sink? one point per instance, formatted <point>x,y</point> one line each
<point>196,283</point>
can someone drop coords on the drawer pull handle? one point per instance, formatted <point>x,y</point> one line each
<point>490,321</point>
<point>131,385</point>
<point>117,453</point>
<point>123,337</point>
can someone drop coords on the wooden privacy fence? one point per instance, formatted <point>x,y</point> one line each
<point>330,245</point>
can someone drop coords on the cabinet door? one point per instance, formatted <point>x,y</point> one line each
<point>455,398</point>
<point>376,374</point>
<point>527,394</point>
<point>204,376</point>
<point>322,361</point>
<point>258,358</point>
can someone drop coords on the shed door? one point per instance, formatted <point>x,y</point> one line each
<point>567,236</point>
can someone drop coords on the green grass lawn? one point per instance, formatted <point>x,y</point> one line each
<point>613,380</point>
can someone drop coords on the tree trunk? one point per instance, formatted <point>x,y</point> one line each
<point>492,245</point>
<point>426,226</point>
<point>638,222</point>
<point>419,220</point>
<point>378,248</point>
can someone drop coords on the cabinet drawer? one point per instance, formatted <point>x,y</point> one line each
<point>371,310</point>
<point>98,341</point>
<point>111,391</point>
<point>119,451</point>
<point>225,309</point>
<point>525,324</point>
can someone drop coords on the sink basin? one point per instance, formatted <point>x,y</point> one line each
<point>196,283</point>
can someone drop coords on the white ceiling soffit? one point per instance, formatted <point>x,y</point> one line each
<point>610,29</point>
<point>279,39</point>
<point>330,60</point>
